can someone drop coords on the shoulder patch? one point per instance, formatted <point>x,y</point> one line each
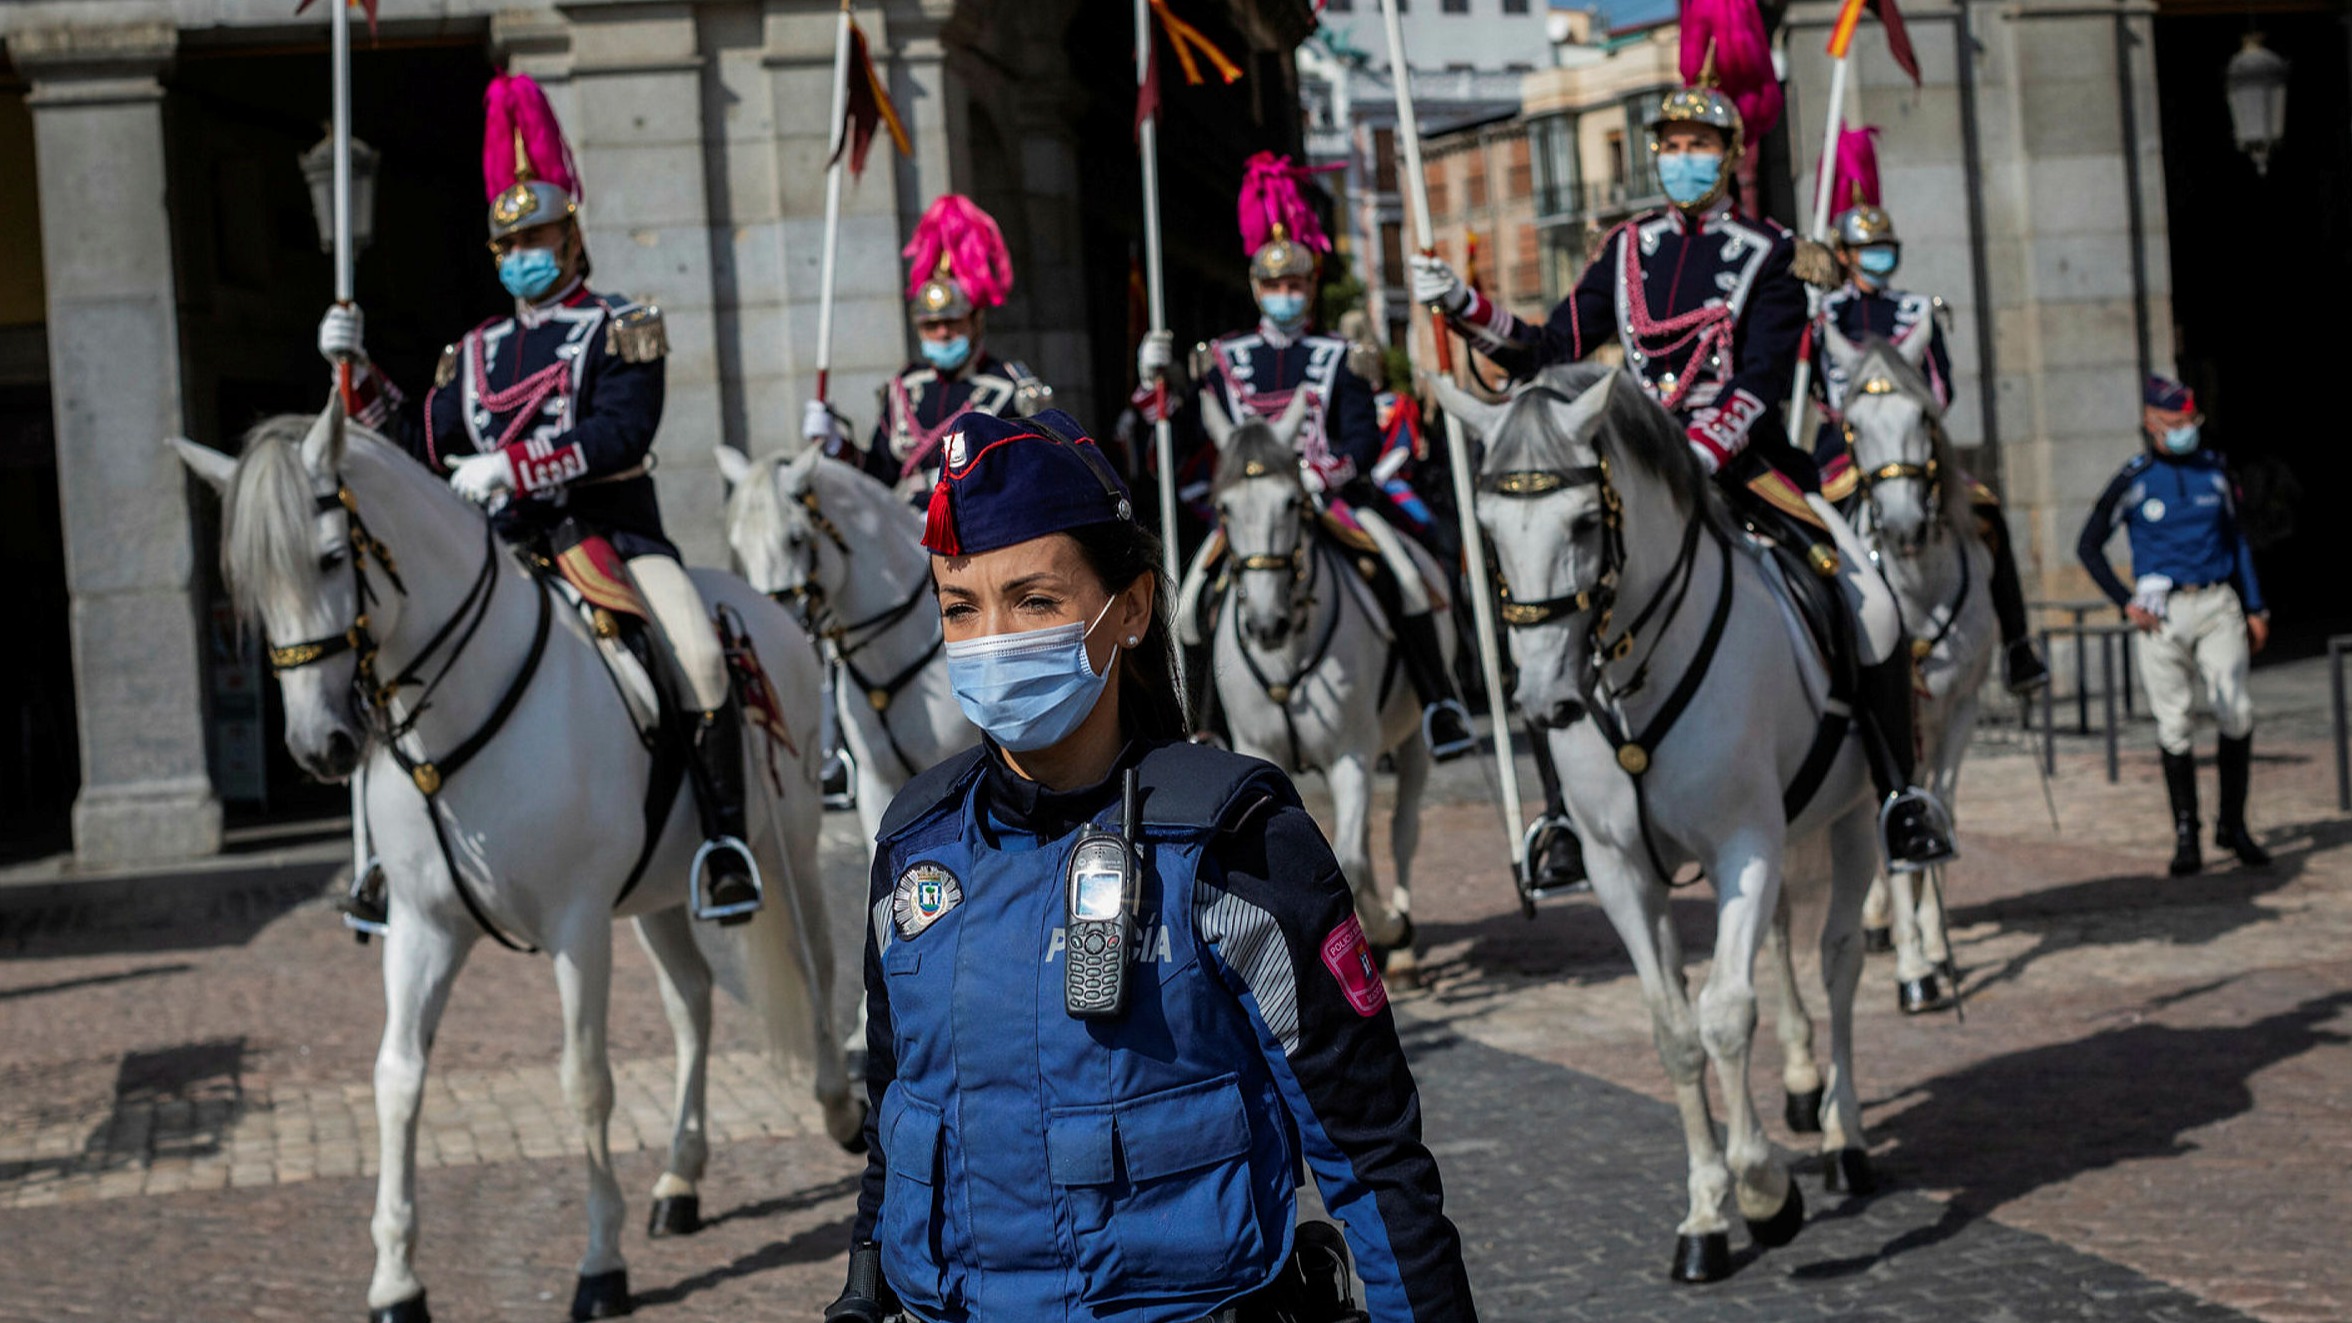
<point>1348,956</point>
<point>445,371</point>
<point>636,334</point>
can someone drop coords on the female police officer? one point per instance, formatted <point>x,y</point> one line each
<point>1117,988</point>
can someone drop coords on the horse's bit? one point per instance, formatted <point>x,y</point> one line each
<point>816,613</point>
<point>1931,472</point>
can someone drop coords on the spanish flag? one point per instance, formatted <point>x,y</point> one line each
<point>869,107</point>
<point>1841,37</point>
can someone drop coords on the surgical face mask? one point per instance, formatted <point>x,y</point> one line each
<point>528,273</point>
<point>947,355</point>
<point>2182,439</point>
<point>1878,263</point>
<point>1688,176</point>
<point>1282,308</point>
<point>1028,690</point>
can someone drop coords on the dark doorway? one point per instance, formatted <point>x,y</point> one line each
<point>2255,261</point>
<point>253,282</point>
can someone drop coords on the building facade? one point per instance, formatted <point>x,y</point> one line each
<point>161,275</point>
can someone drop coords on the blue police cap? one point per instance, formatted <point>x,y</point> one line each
<point>2169,395</point>
<point>1009,480</point>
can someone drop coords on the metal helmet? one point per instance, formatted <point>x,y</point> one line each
<point>543,185</point>
<point>1863,224</point>
<point>939,297</point>
<point>1703,104</point>
<point>1281,256</point>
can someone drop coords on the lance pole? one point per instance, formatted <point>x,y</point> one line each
<point>1147,142</point>
<point>1841,41</point>
<point>1457,449</point>
<point>339,52</point>
<point>840,162</point>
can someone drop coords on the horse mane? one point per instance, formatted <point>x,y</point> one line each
<point>1880,358</point>
<point>758,507</point>
<point>270,507</point>
<point>1532,437</point>
<point>1254,445</point>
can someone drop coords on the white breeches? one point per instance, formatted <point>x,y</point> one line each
<point>677,608</point>
<point>1196,582</point>
<point>1866,590</point>
<point>1412,593</point>
<point>2203,638</point>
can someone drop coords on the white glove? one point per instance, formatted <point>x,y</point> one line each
<point>1155,355</point>
<point>483,479</point>
<point>340,334</point>
<point>2151,594</point>
<point>818,423</point>
<point>1435,283</point>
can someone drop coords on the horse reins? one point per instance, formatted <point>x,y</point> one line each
<point>818,612</point>
<point>1312,554</point>
<point>1929,473</point>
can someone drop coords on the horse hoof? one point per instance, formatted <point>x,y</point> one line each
<point>605,1295</point>
<point>1878,941</point>
<point>1705,1258</point>
<point>675,1215</point>
<point>1950,971</point>
<point>1783,1226</point>
<point>411,1310</point>
<point>845,1122</point>
<point>1847,1171</point>
<point>1804,1111</point>
<point>1918,996</point>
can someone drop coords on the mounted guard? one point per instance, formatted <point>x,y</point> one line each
<point>546,417</point>
<point>1257,374</point>
<point>1868,252</point>
<point>1710,316</point>
<point>958,269</point>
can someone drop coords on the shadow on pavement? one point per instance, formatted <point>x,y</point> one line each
<point>814,1245</point>
<point>189,912</point>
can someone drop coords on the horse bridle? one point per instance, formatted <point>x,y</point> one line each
<point>816,613</point>
<point>1527,484</point>
<point>1930,473</point>
<point>1299,560</point>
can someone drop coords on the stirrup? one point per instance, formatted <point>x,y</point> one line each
<point>362,927</point>
<point>1451,748</point>
<point>1938,824</point>
<point>841,763</point>
<point>701,906</point>
<point>1534,844</point>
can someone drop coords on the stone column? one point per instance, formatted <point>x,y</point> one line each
<point>115,374</point>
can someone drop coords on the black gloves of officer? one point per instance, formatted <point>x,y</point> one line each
<point>867,1298</point>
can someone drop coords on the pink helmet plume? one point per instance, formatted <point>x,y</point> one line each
<point>519,133</point>
<point>1743,58</point>
<point>953,227</point>
<point>1270,198</point>
<point>1856,181</point>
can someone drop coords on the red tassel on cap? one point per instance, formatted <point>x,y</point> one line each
<point>939,532</point>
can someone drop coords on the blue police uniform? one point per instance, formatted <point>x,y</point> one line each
<point>921,406</point>
<point>2181,514</point>
<point>1029,1165</point>
<point>1893,315</point>
<point>1711,318</point>
<point>571,390</point>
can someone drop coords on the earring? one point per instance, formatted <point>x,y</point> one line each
<point>1133,640</point>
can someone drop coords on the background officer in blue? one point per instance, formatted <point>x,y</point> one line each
<point>547,416</point>
<point>1710,315</point>
<point>1869,251</point>
<point>1257,372</point>
<point>960,269</point>
<point>2197,605</point>
<point>1030,1160</point>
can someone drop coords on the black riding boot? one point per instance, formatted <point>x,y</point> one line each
<point>2235,764</point>
<point>2180,783</point>
<point>730,890</point>
<point>1445,723</point>
<point>2022,665</point>
<point>1555,857</point>
<point>1914,830</point>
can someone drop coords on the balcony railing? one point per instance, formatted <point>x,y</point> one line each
<point>1605,201</point>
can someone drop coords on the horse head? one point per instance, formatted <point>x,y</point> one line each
<point>298,565</point>
<point>1582,474</point>
<point>772,525</point>
<point>1895,435</point>
<point>1268,518</point>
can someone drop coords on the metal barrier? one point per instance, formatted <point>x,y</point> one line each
<point>2116,640</point>
<point>2078,632</point>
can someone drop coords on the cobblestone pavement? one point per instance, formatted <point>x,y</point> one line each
<point>2139,1119</point>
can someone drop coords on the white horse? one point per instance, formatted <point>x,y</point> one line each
<point>844,547</point>
<point>422,629</point>
<point>1637,608</point>
<point>1915,514</point>
<point>1304,664</point>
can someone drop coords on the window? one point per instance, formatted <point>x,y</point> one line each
<point>1455,6</point>
<point>1476,161</point>
<point>1384,163</point>
<point>1509,6</point>
<point>1554,138</point>
<point>1617,160</point>
<point>1641,178</point>
<point>1434,174</point>
<point>1392,253</point>
<point>1522,170</point>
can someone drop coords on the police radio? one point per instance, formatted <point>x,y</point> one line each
<point>1098,927</point>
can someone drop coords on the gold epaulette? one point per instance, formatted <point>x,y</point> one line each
<point>445,371</point>
<point>1815,265</point>
<point>637,335</point>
